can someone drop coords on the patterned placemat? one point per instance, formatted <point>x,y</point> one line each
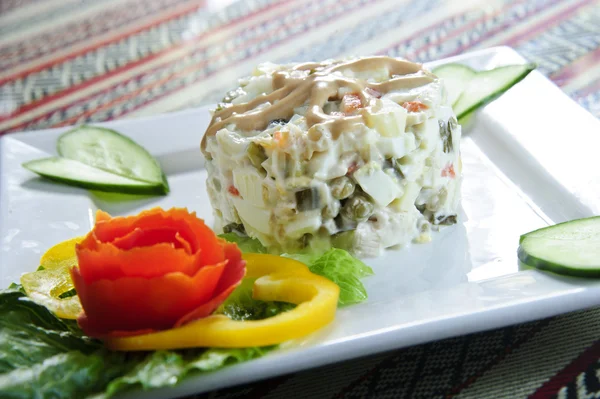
<point>72,61</point>
<point>557,357</point>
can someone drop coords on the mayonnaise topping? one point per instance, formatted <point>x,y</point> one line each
<point>315,84</point>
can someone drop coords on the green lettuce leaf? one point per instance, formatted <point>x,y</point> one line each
<point>346,271</point>
<point>70,374</point>
<point>42,356</point>
<point>30,333</point>
<point>168,368</point>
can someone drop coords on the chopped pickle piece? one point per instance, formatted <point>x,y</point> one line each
<point>256,154</point>
<point>309,199</point>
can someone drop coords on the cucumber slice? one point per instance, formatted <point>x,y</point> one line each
<point>112,152</point>
<point>81,175</point>
<point>456,79</point>
<point>571,248</point>
<point>486,86</point>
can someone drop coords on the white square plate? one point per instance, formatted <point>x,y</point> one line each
<point>529,160</point>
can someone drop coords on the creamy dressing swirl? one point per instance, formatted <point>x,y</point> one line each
<point>314,84</point>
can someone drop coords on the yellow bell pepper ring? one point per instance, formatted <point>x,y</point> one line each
<point>278,279</point>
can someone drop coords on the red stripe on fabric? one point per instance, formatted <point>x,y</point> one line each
<point>75,118</point>
<point>152,84</point>
<point>576,68</point>
<point>569,373</point>
<point>44,44</point>
<point>190,68</point>
<point>163,95</point>
<point>127,67</point>
<point>566,74</point>
<point>158,21</point>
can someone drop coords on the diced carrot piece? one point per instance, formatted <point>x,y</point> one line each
<point>448,171</point>
<point>414,106</point>
<point>351,103</point>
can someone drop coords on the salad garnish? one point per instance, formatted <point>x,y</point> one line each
<point>570,248</point>
<point>102,159</point>
<point>469,90</point>
<point>277,279</point>
<point>279,298</point>
<point>157,270</point>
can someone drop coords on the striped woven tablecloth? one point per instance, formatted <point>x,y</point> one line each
<point>64,62</point>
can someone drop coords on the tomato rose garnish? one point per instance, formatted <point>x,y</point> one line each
<point>154,271</point>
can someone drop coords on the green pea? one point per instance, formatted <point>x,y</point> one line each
<point>358,208</point>
<point>331,210</point>
<point>342,187</point>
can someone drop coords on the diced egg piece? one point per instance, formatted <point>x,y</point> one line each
<point>249,183</point>
<point>254,218</point>
<point>230,142</point>
<point>306,222</point>
<point>397,147</point>
<point>378,184</point>
<point>390,121</point>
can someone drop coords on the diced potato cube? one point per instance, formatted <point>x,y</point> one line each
<point>389,122</point>
<point>407,202</point>
<point>378,184</point>
<point>412,166</point>
<point>324,165</point>
<point>306,222</point>
<point>429,134</point>
<point>414,118</point>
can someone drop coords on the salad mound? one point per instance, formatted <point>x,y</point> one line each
<point>361,154</point>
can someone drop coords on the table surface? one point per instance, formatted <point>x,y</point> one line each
<point>65,62</point>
